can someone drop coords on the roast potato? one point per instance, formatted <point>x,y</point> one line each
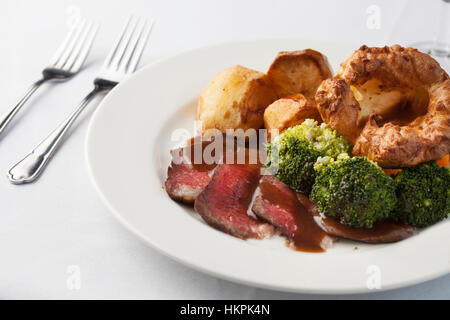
<point>235,99</point>
<point>298,72</point>
<point>288,112</point>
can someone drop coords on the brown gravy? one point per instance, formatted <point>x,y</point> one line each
<point>202,154</point>
<point>381,232</point>
<point>193,146</point>
<point>308,236</point>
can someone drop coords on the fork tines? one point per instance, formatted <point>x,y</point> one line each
<point>128,48</point>
<point>72,53</point>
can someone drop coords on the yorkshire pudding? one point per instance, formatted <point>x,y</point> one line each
<point>392,103</point>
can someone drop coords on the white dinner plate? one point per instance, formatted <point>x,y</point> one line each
<point>127,151</point>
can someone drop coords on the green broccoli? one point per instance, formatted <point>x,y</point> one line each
<point>292,154</point>
<point>326,161</point>
<point>423,193</point>
<point>354,190</point>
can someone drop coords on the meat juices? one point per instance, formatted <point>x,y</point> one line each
<point>278,204</point>
<point>224,202</point>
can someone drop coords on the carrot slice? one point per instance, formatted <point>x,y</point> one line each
<point>391,172</point>
<point>445,161</point>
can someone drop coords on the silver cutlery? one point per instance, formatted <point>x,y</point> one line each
<point>120,62</point>
<point>67,61</point>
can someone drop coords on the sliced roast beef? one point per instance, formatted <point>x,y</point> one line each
<point>189,171</point>
<point>381,232</point>
<point>192,166</point>
<point>278,204</point>
<point>184,183</point>
<point>224,202</point>
<point>185,180</point>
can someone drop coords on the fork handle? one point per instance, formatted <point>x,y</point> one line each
<point>30,167</point>
<point>6,118</point>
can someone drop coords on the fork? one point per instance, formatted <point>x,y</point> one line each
<point>67,61</point>
<point>120,62</point>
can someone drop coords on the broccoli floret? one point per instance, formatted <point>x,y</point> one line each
<point>423,193</point>
<point>292,154</point>
<point>295,165</point>
<point>325,161</point>
<point>355,191</point>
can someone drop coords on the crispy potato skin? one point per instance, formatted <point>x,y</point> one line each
<point>301,71</point>
<point>235,99</point>
<point>392,103</point>
<point>288,112</point>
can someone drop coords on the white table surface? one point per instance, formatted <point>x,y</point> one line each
<point>59,221</point>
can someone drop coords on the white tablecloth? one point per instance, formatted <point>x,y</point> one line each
<point>57,229</point>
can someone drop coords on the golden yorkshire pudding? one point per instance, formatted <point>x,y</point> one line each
<point>301,71</point>
<point>392,103</point>
<point>288,112</point>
